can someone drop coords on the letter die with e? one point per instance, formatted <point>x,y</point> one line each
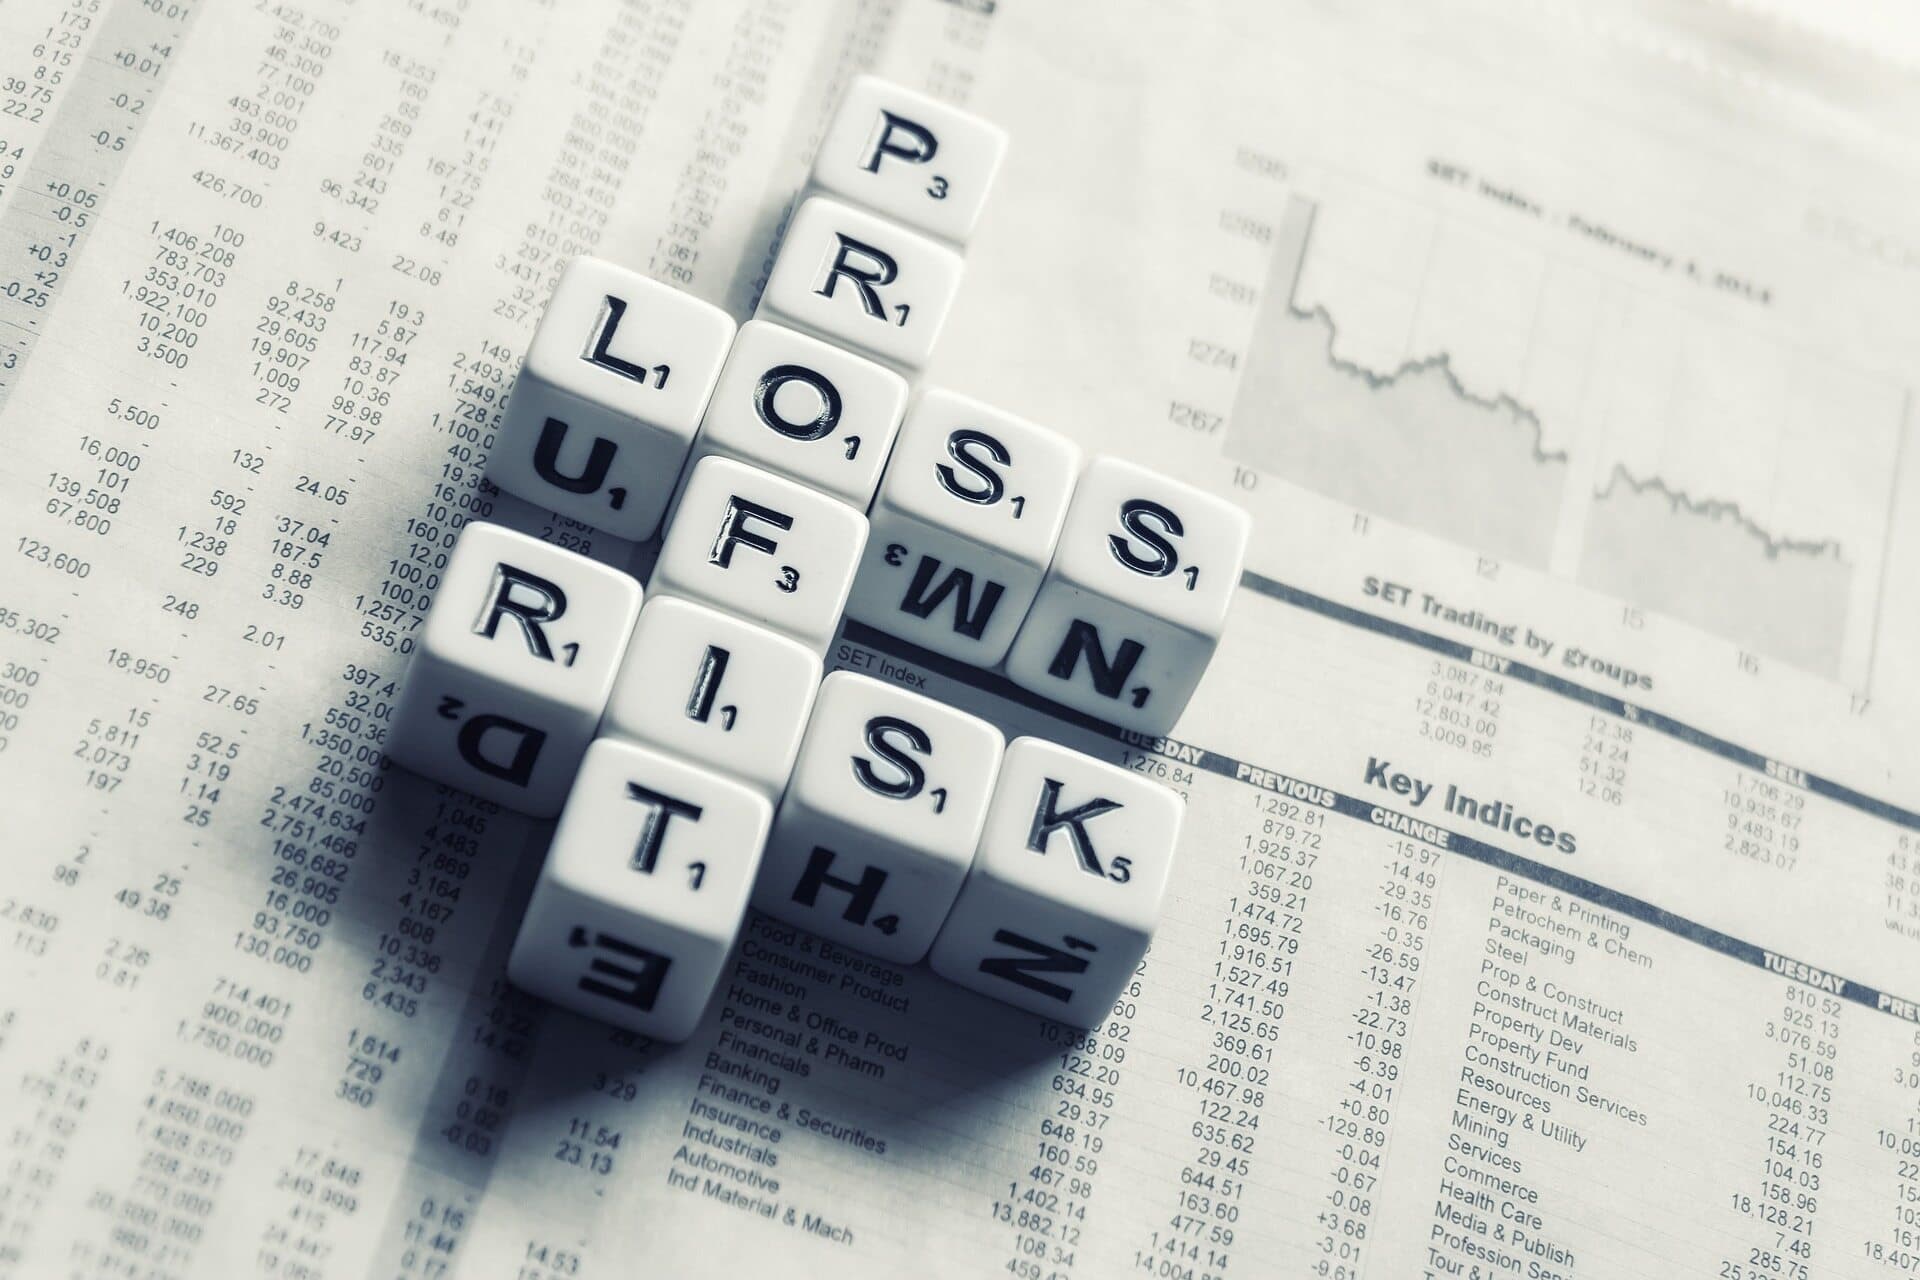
<point>963,528</point>
<point>513,670</point>
<point>642,892</point>
<point>1136,600</point>
<point>879,825</point>
<point>761,548</point>
<point>720,693</point>
<point>609,398</point>
<point>910,157</point>
<point>1066,887</point>
<point>804,409</point>
<point>863,282</point>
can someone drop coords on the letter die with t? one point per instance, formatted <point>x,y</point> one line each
<point>1134,605</point>
<point>910,157</point>
<point>879,826</point>
<point>609,398</point>
<point>1066,887</point>
<point>642,892</point>
<point>804,409</point>
<point>856,279</point>
<point>761,548</point>
<point>720,693</point>
<point>963,528</point>
<point>515,662</point>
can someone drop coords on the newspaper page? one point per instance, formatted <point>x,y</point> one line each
<point>1548,902</point>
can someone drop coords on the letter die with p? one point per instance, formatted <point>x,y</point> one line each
<point>1066,886</point>
<point>910,157</point>
<point>513,670</point>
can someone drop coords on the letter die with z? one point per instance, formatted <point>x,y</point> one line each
<point>642,892</point>
<point>762,548</point>
<point>1135,603</point>
<point>963,528</point>
<point>720,693</point>
<point>513,670</point>
<point>804,409</point>
<point>1066,887</point>
<point>609,397</point>
<point>910,157</point>
<point>879,825</point>
<point>862,281</point>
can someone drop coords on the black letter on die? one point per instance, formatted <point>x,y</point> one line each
<point>1019,970</point>
<point>779,376</point>
<point>912,776</point>
<point>878,272</point>
<point>525,751</point>
<point>596,351</point>
<point>546,459</point>
<point>967,620</point>
<point>957,449</point>
<point>733,530</point>
<point>1048,819</point>
<point>706,685</point>
<point>661,809</point>
<point>636,982</point>
<point>918,149</point>
<point>1109,678</point>
<point>501,602</point>
<point>861,893</point>
<point>1134,514</point>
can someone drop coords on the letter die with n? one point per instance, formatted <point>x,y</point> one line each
<point>1136,599</point>
<point>963,528</point>
<point>1066,886</point>
<point>879,825</point>
<point>609,397</point>
<point>514,666</point>
<point>642,892</point>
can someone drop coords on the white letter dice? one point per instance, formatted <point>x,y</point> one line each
<point>860,280</point>
<point>878,829</point>
<point>1066,887</point>
<point>762,548</point>
<point>805,410</point>
<point>905,155</point>
<point>643,891</point>
<point>703,686</point>
<point>513,670</point>
<point>609,398</point>
<point>1129,615</point>
<point>963,528</point>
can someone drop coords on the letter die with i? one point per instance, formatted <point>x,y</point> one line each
<point>761,548</point>
<point>863,282</point>
<point>609,398</point>
<point>642,892</point>
<point>1066,886</point>
<point>963,528</point>
<point>1136,600</point>
<point>717,692</point>
<point>513,670</point>
<point>878,828</point>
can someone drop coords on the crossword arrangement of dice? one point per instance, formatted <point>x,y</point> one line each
<point>695,756</point>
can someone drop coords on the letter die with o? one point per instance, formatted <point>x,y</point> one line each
<point>963,528</point>
<point>1136,600</point>
<point>863,282</point>
<point>515,662</point>
<point>1066,886</point>
<point>609,398</point>
<point>879,825</point>
<point>643,891</point>
<point>761,548</point>
<point>910,157</point>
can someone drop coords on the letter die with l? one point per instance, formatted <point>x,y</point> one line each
<point>963,528</point>
<point>879,825</point>
<point>513,670</point>
<point>642,892</point>
<point>1066,886</point>
<point>609,398</point>
<point>910,157</point>
<point>1136,600</point>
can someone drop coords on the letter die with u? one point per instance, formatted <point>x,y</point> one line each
<point>513,670</point>
<point>963,528</point>
<point>1066,887</point>
<point>879,825</point>
<point>642,892</point>
<point>609,398</point>
<point>1136,600</point>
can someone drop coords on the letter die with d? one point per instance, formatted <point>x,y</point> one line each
<point>515,662</point>
<point>910,157</point>
<point>609,398</point>
<point>963,528</point>
<point>1066,887</point>
<point>879,825</point>
<point>642,892</point>
<point>1135,603</point>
